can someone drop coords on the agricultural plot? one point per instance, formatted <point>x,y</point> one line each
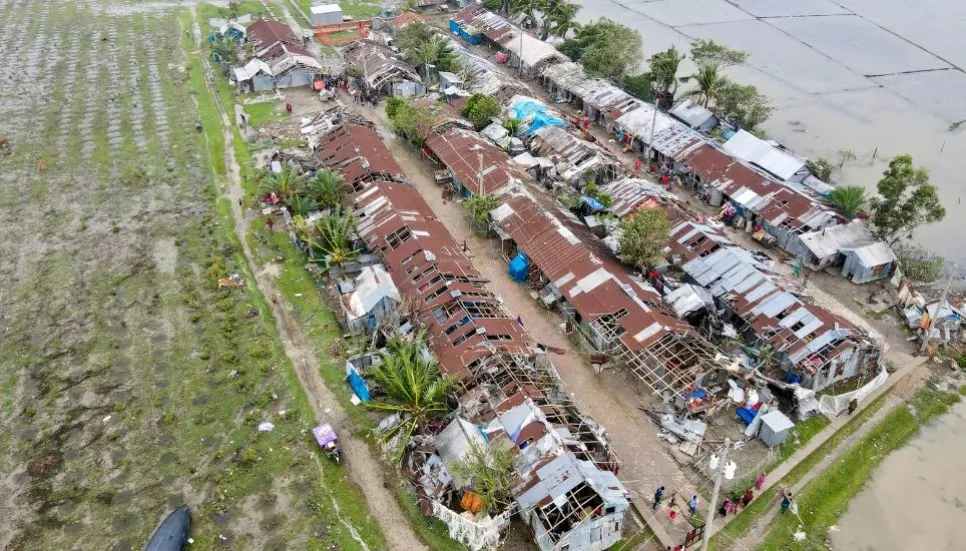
<point>129,382</point>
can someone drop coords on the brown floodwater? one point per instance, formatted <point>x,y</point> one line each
<point>916,499</point>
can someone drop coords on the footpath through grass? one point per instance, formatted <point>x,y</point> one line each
<point>825,500</point>
<point>300,288</point>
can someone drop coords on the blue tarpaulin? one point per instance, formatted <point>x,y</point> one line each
<point>358,385</point>
<point>518,267</point>
<point>746,415</point>
<point>594,204</point>
<point>527,109</point>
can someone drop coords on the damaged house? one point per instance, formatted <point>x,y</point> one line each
<point>383,69</point>
<point>507,389</point>
<point>473,165</point>
<point>368,299</point>
<point>576,160</point>
<point>357,152</point>
<point>523,50</point>
<point>609,310</point>
<point>800,342</point>
<point>481,76</point>
<point>279,60</point>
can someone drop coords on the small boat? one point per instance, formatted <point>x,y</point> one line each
<point>172,533</point>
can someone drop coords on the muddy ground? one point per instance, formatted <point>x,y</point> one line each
<point>130,384</point>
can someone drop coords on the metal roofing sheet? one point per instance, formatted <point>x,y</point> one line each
<point>874,254</point>
<point>748,147</point>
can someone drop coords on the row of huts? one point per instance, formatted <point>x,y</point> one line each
<point>770,190</point>
<point>508,394</point>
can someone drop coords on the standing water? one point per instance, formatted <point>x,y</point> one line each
<point>916,499</point>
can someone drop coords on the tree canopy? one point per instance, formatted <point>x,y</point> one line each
<point>743,104</point>
<point>664,73</point>
<point>480,109</point>
<point>489,471</point>
<point>644,237</point>
<point>906,200</point>
<point>413,121</point>
<point>605,48</point>
<point>710,53</point>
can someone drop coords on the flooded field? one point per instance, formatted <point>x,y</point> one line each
<point>917,497</point>
<point>870,76</point>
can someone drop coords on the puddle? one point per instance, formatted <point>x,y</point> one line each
<point>916,499</point>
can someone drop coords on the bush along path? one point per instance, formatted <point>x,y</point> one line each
<point>358,457</point>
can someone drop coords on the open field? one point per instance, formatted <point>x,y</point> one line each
<point>130,383</point>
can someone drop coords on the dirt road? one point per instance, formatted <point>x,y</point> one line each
<point>359,459</point>
<point>606,397</point>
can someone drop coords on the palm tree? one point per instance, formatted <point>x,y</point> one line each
<point>413,386</point>
<point>558,18</point>
<point>709,83</point>
<point>301,205</point>
<point>334,237</point>
<point>664,70</point>
<point>328,188</point>
<point>284,183</point>
<point>848,199</point>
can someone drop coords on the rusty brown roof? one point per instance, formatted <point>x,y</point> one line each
<point>464,152</point>
<point>349,147</point>
<point>583,268</point>
<point>265,32</point>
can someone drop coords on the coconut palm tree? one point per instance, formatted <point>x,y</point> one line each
<point>559,18</point>
<point>301,205</point>
<point>328,188</point>
<point>848,199</point>
<point>709,82</point>
<point>334,237</point>
<point>284,183</point>
<point>413,386</point>
<point>664,70</point>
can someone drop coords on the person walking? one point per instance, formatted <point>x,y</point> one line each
<point>693,504</point>
<point>658,495</point>
<point>786,501</point>
<point>760,481</point>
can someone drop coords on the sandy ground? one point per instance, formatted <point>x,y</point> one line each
<point>359,458</point>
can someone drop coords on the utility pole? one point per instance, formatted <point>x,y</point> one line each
<point>650,142</point>
<point>714,496</point>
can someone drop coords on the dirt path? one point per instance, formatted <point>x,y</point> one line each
<point>359,459</point>
<point>606,397</point>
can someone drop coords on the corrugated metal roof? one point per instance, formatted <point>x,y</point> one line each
<point>691,113</point>
<point>830,241</point>
<point>873,254</point>
<point>750,148</point>
<point>628,195</point>
<point>598,93</point>
<point>769,304</point>
<point>532,50</point>
<point>357,152</point>
<point>460,151</point>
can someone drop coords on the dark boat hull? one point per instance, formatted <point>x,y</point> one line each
<point>172,533</point>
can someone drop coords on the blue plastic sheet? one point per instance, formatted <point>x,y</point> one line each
<point>526,108</point>
<point>594,204</point>
<point>358,385</point>
<point>747,415</point>
<point>518,267</point>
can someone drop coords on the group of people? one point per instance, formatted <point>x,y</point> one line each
<point>739,501</point>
